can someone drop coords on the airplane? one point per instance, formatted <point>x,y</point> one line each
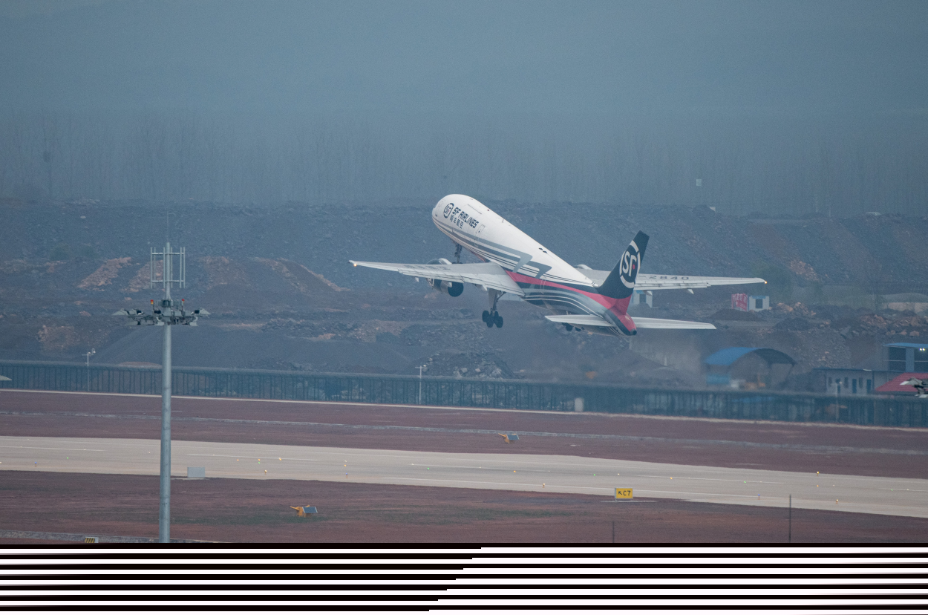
<point>920,385</point>
<point>514,263</point>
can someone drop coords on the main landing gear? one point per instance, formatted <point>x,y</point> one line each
<point>491,317</point>
<point>457,253</point>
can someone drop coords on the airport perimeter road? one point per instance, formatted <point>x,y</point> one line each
<point>557,473</point>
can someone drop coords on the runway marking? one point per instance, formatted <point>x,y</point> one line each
<point>48,448</point>
<point>472,409</point>
<point>552,486</point>
<point>243,456</point>
<point>809,448</point>
<point>901,490</point>
<point>721,480</point>
<point>703,494</point>
<point>482,482</point>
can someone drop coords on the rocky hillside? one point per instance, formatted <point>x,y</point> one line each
<point>283,296</point>
<point>882,254</point>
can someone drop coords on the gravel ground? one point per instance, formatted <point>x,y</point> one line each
<point>259,511</point>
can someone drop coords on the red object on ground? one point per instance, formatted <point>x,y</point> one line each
<point>739,301</point>
<point>895,386</point>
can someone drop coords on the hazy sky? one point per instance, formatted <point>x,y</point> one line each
<point>457,58</point>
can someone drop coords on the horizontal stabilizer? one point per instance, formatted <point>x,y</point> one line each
<point>664,282</point>
<point>653,281</point>
<point>663,323</point>
<point>580,320</point>
<point>490,275</point>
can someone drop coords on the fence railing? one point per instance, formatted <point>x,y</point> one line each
<point>513,394</point>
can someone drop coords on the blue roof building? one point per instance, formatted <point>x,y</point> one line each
<point>743,367</point>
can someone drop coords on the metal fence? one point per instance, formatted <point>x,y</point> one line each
<point>515,394</point>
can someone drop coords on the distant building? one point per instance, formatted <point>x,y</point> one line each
<point>643,297</point>
<point>758,303</point>
<point>906,357</point>
<point>750,303</point>
<point>849,380</point>
<point>741,367</point>
<point>872,375</point>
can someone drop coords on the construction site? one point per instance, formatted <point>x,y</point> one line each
<point>396,415</point>
<point>283,295</point>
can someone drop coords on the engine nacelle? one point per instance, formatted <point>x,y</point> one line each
<point>453,289</point>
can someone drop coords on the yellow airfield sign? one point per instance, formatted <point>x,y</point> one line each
<point>623,494</point>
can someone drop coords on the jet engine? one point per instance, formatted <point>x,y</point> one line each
<point>453,289</point>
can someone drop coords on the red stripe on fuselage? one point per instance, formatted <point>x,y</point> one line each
<point>619,307</point>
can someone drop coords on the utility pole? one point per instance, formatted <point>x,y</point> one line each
<point>92,351</point>
<point>419,402</point>
<point>166,313</point>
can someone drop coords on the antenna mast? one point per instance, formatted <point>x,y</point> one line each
<point>166,313</point>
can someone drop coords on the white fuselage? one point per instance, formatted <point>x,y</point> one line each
<point>488,236</point>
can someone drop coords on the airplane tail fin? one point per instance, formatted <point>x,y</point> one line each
<point>621,282</point>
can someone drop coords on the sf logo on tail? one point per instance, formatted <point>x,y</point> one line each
<point>629,265</point>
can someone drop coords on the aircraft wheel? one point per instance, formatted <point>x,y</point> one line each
<point>498,320</point>
<point>568,327</point>
<point>485,316</point>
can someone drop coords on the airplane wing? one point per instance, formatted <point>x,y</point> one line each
<point>490,275</point>
<point>651,281</point>
<point>589,320</point>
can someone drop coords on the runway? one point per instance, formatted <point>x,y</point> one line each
<point>906,497</point>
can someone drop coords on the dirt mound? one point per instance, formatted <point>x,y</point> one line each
<point>222,270</point>
<point>301,278</point>
<point>793,324</point>
<point>895,326</point>
<point>796,309</point>
<point>728,314</point>
<point>233,298</point>
<point>209,345</point>
<point>142,278</point>
<point>106,273</point>
<point>261,284</point>
<point>467,364</point>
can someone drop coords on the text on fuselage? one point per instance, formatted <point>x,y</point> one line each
<point>458,217</point>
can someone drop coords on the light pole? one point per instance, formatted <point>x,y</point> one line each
<point>419,402</point>
<point>166,313</point>
<point>92,351</point>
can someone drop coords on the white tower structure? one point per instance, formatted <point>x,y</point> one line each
<point>166,313</point>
